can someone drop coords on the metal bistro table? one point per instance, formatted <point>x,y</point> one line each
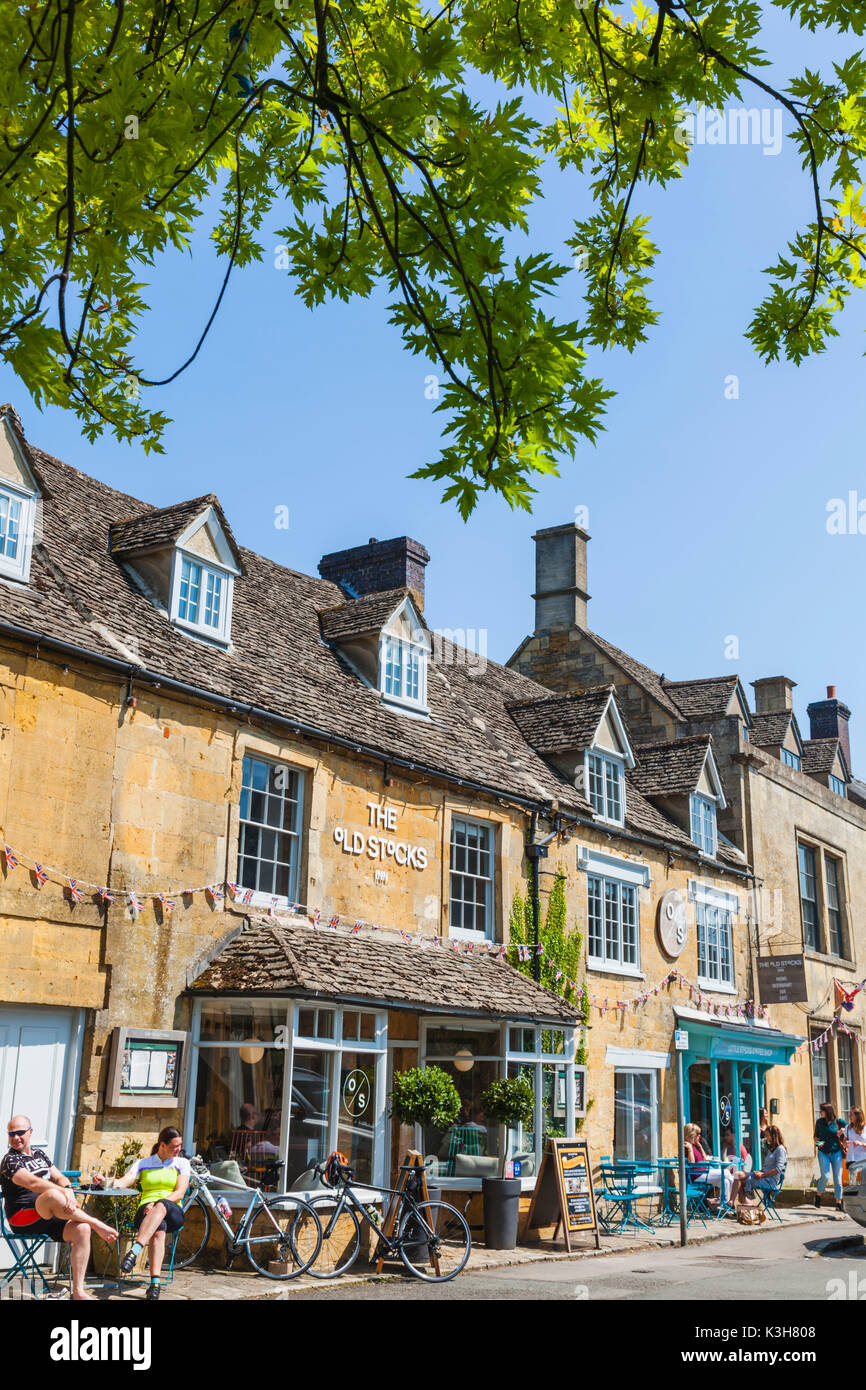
<point>115,1195</point>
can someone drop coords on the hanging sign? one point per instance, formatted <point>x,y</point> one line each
<point>563,1194</point>
<point>782,979</point>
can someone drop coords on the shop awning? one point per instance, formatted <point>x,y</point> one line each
<point>268,958</point>
<point>735,1040</point>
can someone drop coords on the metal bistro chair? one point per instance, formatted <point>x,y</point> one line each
<point>698,1193</point>
<point>620,1196</point>
<point>769,1196</point>
<point>25,1249</point>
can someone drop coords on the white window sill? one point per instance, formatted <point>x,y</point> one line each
<point>480,938</point>
<point>473,1184</point>
<point>206,634</point>
<point>716,986</point>
<point>626,972</point>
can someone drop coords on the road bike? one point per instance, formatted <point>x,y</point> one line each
<point>431,1238</point>
<point>280,1233</point>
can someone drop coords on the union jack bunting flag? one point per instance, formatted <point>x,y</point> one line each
<point>334,922</point>
<point>296,907</point>
<point>105,895</point>
<point>404,936</point>
<point>135,903</point>
<point>75,892</point>
<point>272,910</point>
<point>356,929</point>
<point>234,889</point>
<point>167,904</point>
<point>215,892</point>
<point>39,874</point>
<point>523,953</point>
<point>469,948</point>
<point>500,954</point>
<point>315,917</point>
<point>558,973</point>
<point>539,950</point>
<point>247,896</point>
<point>455,945</point>
<point>10,856</point>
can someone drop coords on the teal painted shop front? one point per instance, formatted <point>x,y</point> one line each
<point>725,1068</point>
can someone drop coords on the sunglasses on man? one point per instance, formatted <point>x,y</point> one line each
<point>18,1133</point>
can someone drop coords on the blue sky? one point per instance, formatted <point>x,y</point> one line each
<point>708,515</point>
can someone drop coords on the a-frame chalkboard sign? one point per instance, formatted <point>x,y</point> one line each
<point>564,1194</point>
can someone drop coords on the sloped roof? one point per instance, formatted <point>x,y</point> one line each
<point>702,699</point>
<point>770,729</point>
<point>819,754</point>
<point>642,675</point>
<point>358,616</point>
<point>672,767</point>
<point>152,528</point>
<point>277,661</point>
<point>561,723</point>
<point>293,958</point>
<point>645,819</point>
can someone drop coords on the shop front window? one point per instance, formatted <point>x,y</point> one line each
<point>845,1052</point>
<point>475,1055</point>
<point>245,1055</point>
<point>635,1116</point>
<point>820,1075</point>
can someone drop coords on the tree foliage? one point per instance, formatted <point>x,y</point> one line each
<point>425,1096</point>
<point>361,127</point>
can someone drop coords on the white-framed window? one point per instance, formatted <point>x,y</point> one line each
<point>17,509</point>
<point>279,1079</point>
<point>201,597</point>
<point>605,785</point>
<point>613,923</point>
<point>635,1116</point>
<point>269,839</point>
<point>704,830</point>
<point>471,878</point>
<point>403,670</point>
<point>791,759</point>
<point>715,931</point>
<point>474,1054</point>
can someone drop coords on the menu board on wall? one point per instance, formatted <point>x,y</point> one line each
<point>564,1193</point>
<point>147,1068</point>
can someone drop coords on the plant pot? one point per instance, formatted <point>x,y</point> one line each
<point>501,1212</point>
<point>417,1252</point>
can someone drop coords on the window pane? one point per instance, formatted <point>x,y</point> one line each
<point>820,1074</point>
<point>521,1139</point>
<point>634,1116</point>
<point>309,1133</point>
<point>316,1023</point>
<point>471,877</point>
<point>269,838</point>
<point>834,905</point>
<point>478,1041</point>
<point>238,1020</point>
<point>469,1147</point>
<point>846,1073</point>
<point>596,941</point>
<point>809,897</point>
<point>357,1112</point>
<point>238,1107</point>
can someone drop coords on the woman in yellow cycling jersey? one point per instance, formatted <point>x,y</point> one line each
<point>162,1179</point>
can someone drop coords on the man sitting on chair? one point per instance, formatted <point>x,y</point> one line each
<point>39,1201</point>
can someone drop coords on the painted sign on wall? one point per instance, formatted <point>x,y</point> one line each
<point>381,847</point>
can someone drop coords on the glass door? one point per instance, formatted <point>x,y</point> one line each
<point>635,1116</point>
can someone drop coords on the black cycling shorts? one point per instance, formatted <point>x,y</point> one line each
<point>173,1216</point>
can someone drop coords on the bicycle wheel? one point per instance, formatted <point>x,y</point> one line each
<point>442,1240</point>
<point>194,1236</point>
<point>341,1245</point>
<point>270,1245</point>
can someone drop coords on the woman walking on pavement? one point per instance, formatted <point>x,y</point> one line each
<point>831,1151</point>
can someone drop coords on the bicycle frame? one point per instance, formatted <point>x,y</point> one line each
<point>205,1197</point>
<point>391,1244</point>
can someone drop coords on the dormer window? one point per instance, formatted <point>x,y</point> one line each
<point>704,829</point>
<point>403,667</point>
<point>19,493</point>
<point>791,759</point>
<point>605,781</point>
<point>201,597</point>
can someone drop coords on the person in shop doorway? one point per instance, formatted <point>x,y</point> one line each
<point>829,1138</point>
<point>768,1177</point>
<point>855,1135</point>
<point>162,1179</point>
<point>39,1201</point>
<point>763,1126</point>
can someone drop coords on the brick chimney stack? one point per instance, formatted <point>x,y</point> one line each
<point>829,719</point>
<point>560,577</point>
<point>774,694</point>
<point>378,566</point>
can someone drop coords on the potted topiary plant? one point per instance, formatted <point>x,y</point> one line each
<point>425,1096</point>
<point>507,1103</point>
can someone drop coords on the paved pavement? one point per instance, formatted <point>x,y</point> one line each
<point>718,1260</point>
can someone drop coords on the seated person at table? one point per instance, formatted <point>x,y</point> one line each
<point>39,1201</point>
<point>162,1178</point>
<point>694,1149</point>
<point>729,1146</point>
<point>702,1169</point>
<point>770,1174</point>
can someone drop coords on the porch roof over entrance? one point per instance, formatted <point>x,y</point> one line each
<point>736,1040</point>
<point>270,958</point>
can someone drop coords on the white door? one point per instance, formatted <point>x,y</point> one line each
<point>38,1067</point>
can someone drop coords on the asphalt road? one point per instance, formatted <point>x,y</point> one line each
<point>772,1266</point>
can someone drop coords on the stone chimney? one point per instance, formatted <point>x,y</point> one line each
<point>560,577</point>
<point>774,694</point>
<point>829,719</point>
<point>378,566</point>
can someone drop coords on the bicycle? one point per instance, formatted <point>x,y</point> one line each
<point>432,1238</point>
<point>280,1229</point>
